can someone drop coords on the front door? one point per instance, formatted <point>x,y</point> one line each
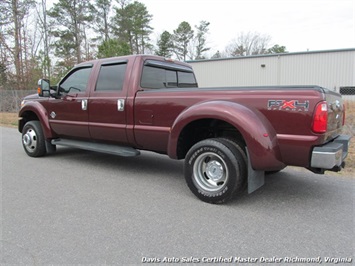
<point>68,114</point>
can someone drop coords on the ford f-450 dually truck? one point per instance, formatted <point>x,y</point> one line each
<point>228,136</point>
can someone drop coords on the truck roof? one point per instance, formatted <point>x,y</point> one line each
<point>130,57</point>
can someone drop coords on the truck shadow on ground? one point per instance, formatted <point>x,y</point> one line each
<point>297,186</point>
<point>288,185</point>
<point>148,163</point>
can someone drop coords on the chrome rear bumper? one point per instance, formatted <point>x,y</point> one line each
<point>332,154</point>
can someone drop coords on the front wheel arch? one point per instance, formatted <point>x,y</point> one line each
<point>34,110</point>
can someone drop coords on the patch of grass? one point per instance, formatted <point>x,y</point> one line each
<point>8,119</point>
<point>349,129</point>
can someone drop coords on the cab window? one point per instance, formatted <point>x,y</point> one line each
<point>77,81</point>
<point>186,79</point>
<point>111,77</point>
<point>155,78</point>
<point>158,75</point>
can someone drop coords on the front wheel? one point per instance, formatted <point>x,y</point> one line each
<point>215,170</point>
<point>33,140</point>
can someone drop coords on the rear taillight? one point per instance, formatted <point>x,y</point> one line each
<point>343,114</point>
<point>320,118</point>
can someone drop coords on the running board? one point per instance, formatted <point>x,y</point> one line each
<point>98,147</point>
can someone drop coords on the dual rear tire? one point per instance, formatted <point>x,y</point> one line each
<point>216,169</point>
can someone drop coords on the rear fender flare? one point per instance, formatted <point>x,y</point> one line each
<point>259,135</point>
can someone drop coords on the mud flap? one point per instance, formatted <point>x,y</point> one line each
<point>49,147</point>
<point>256,179</point>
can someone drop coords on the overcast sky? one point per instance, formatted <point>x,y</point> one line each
<point>297,24</point>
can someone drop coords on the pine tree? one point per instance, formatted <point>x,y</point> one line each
<point>101,19</point>
<point>70,17</point>
<point>132,26</point>
<point>182,37</point>
<point>113,47</point>
<point>165,45</point>
<point>277,49</point>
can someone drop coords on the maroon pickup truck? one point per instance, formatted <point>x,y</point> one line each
<point>229,137</point>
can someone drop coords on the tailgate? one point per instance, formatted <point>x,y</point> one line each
<point>335,113</point>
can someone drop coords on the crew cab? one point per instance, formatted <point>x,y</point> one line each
<point>229,137</point>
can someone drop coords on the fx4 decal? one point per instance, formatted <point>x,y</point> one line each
<point>293,105</point>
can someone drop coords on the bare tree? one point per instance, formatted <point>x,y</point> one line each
<point>15,38</point>
<point>43,28</point>
<point>250,43</point>
<point>202,31</point>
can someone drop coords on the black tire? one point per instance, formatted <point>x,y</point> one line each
<point>33,140</point>
<point>215,170</point>
<point>238,150</point>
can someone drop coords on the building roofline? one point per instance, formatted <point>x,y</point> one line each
<point>271,55</point>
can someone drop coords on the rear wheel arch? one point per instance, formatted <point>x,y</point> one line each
<point>201,129</point>
<point>248,125</point>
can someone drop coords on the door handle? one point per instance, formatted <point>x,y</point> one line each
<point>84,105</point>
<point>120,105</point>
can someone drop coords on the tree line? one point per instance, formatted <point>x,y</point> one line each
<point>38,42</point>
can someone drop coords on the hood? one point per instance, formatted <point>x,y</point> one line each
<point>31,97</point>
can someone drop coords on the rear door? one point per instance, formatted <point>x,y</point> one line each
<point>159,101</point>
<point>107,103</point>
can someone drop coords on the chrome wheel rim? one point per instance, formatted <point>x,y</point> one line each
<point>210,172</point>
<point>29,140</point>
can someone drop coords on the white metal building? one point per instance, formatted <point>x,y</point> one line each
<point>332,69</point>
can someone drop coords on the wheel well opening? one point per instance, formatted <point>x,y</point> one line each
<point>204,129</point>
<point>27,116</point>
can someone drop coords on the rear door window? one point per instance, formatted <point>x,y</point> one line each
<point>111,77</point>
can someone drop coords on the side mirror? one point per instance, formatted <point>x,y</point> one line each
<point>43,88</point>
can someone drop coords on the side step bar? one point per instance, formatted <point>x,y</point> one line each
<point>98,147</point>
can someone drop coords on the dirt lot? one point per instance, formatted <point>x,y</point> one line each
<point>10,119</point>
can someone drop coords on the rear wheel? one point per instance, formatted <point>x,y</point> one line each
<point>214,170</point>
<point>33,140</point>
<point>239,151</point>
